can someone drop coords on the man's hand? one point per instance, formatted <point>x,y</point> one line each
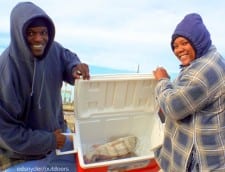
<point>81,69</point>
<point>160,73</point>
<point>60,139</point>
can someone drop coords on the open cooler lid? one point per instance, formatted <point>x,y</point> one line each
<point>114,93</point>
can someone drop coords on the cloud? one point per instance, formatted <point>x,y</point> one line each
<point>123,34</point>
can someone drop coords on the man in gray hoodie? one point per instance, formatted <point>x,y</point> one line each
<point>33,68</point>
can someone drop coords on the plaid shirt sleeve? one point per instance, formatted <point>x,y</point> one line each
<point>189,95</point>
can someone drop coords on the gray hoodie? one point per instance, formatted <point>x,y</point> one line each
<point>30,89</point>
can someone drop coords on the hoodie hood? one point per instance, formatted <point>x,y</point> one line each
<point>22,15</point>
<point>193,29</point>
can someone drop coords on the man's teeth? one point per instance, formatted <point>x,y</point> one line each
<point>37,46</point>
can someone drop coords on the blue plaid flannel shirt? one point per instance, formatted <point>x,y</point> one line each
<point>194,106</point>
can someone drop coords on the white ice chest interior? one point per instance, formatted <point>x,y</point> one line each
<point>114,106</point>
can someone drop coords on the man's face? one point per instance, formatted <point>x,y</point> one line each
<point>37,38</point>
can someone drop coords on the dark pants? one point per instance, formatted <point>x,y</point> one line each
<point>193,164</point>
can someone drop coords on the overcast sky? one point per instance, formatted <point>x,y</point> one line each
<point>123,34</point>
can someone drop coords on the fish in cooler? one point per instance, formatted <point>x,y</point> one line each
<point>119,148</point>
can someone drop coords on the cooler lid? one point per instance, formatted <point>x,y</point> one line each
<point>121,93</point>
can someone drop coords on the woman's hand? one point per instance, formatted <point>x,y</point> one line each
<point>160,73</point>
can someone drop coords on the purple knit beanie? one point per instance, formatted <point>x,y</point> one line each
<point>193,29</point>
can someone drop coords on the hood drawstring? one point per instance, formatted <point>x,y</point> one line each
<point>42,86</point>
<point>34,75</point>
<point>33,83</point>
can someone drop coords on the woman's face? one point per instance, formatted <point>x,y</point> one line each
<point>183,50</point>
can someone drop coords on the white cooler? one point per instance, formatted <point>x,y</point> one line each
<point>114,106</point>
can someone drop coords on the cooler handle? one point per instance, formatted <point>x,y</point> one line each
<point>59,152</point>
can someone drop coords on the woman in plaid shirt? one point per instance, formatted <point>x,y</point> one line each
<point>194,104</point>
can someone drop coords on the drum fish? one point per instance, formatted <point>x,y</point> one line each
<point>115,149</point>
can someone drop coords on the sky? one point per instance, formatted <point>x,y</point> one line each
<point>123,34</point>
